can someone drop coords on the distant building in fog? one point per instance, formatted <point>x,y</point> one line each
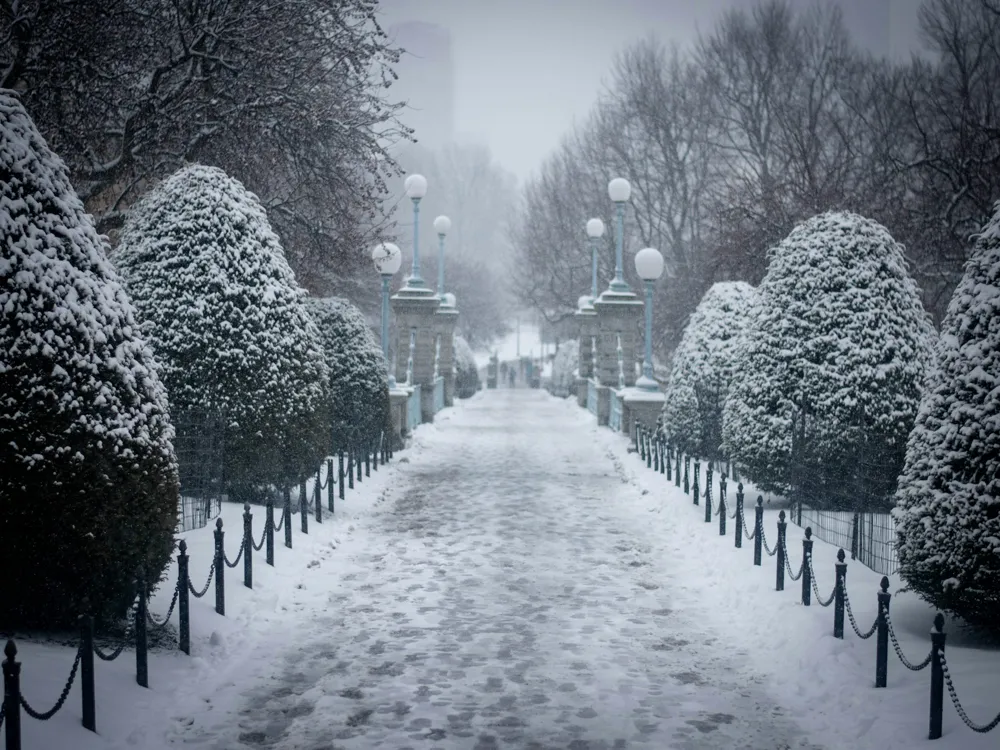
<point>426,81</point>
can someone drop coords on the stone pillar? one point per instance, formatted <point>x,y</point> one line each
<point>414,309</point>
<point>445,320</point>
<point>397,407</point>
<point>642,407</point>
<point>618,315</point>
<point>586,322</point>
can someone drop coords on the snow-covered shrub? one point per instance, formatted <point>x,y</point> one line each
<point>948,499</point>
<point>359,385</point>
<point>705,358</point>
<point>680,422</point>
<point>88,476</point>
<point>837,334</point>
<point>564,368</point>
<point>227,320</point>
<point>466,372</point>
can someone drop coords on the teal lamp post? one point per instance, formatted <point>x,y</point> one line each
<point>649,267</point>
<point>619,191</point>
<point>387,260</point>
<point>442,225</point>
<point>416,188</point>
<point>595,230</point>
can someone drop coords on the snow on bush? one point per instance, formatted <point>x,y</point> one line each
<point>88,476</point>
<point>564,368</point>
<point>226,318</point>
<point>466,372</point>
<point>359,386</point>
<point>705,359</point>
<point>838,334</point>
<point>680,422</point>
<point>948,500</point>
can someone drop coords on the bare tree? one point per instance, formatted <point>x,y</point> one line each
<point>287,97</point>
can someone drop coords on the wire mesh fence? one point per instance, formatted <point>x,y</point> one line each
<point>871,537</point>
<point>199,447</point>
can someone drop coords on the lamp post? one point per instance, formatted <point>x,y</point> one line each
<point>595,230</point>
<point>416,188</point>
<point>619,191</point>
<point>649,267</point>
<point>387,260</point>
<point>442,225</point>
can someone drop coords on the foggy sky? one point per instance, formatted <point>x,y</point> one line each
<point>525,70</point>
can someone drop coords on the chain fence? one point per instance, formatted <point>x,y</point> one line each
<point>46,715</point>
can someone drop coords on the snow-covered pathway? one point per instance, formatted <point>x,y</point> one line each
<point>506,598</point>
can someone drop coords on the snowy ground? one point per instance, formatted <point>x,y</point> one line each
<point>515,579</point>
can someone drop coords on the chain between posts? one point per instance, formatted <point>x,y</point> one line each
<point>980,728</point>
<point>854,623</point>
<point>199,595</point>
<point>770,552</point>
<point>263,538</point>
<point>788,567</point>
<point>235,562</point>
<point>173,603</point>
<point>746,529</point>
<point>899,650</point>
<point>46,715</point>
<point>815,588</point>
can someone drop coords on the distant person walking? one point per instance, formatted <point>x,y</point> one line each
<point>503,370</point>
<point>513,376</point>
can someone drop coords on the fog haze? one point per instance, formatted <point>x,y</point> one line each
<point>525,70</point>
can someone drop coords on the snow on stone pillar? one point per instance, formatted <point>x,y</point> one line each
<point>414,309</point>
<point>445,319</point>
<point>586,322</point>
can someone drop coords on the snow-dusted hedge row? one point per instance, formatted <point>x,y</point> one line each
<point>703,368</point>
<point>466,372</point>
<point>358,375</point>
<point>88,476</point>
<point>227,320</point>
<point>838,336</point>
<point>948,501</point>
<point>564,368</point>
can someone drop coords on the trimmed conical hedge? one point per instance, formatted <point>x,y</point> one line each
<point>358,374</point>
<point>838,333</point>
<point>227,320</point>
<point>88,476</point>
<point>948,499</point>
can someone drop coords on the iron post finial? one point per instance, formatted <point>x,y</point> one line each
<point>739,486</point>
<point>246,507</point>
<point>809,532</point>
<point>840,555</point>
<point>760,499</point>
<point>10,650</point>
<point>781,516</point>
<point>182,546</point>
<point>218,524</point>
<point>939,622</point>
<point>885,584</point>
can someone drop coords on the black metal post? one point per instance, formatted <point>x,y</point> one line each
<point>248,548</point>
<point>12,696</point>
<point>329,484</point>
<point>368,462</point>
<point>838,596</point>
<point>687,484</point>
<point>882,636</point>
<point>694,485</point>
<point>220,569</point>
<point>319,495</point>
<point>647,440</point>
<point>758,527</point>
<point>655,445</point>
<point>677,469</point>
<point>854,537</point>
<point>779,584</point>
<point>708,494</point>
<point>183,600</point>
<point>376,449</point>
<point>807,550</point>
<point>739,515</point>
<point>141,643</point>
<point>87,670</point>
<point>358,462</point>
<point>639,446</point>
<point>269,533</point>
<point>340,469</point>
<point>937,677</point>
<point>722,506</point>
<point>286,514</point>
<point>664,458</point>
<point>350,468</point>
<point>303,508</point>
